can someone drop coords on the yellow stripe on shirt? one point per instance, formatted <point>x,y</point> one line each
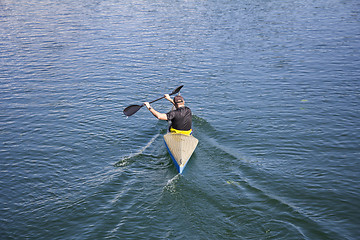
<point>185,132</point>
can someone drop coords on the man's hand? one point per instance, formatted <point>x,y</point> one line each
<point>147,104</point>
<point>167,97</point>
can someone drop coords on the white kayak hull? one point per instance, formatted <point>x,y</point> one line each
<point>180,148</point>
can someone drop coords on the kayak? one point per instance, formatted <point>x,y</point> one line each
<point>180,148</point>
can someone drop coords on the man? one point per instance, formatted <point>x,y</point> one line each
<point>181,117</point>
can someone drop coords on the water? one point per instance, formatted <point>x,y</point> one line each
<point>273,85</point>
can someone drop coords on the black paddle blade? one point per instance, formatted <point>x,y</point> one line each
<point>176,90</point>
<point>130,110</point>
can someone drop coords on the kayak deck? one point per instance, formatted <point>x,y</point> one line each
<point>180,148</point>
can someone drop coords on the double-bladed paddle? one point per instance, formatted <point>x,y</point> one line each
<point>132,109</point>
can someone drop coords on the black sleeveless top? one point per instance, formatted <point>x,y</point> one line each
<point>181,118</point>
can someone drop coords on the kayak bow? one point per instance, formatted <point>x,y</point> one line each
<point>180,148</point>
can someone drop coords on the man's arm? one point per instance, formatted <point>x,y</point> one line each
<point>160,116</point>
<point>167,97</point>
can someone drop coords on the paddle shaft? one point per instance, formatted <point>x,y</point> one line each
<point>161,98</point>
<point>130,110</point>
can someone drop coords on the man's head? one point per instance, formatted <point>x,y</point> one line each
<point>179,101</point>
